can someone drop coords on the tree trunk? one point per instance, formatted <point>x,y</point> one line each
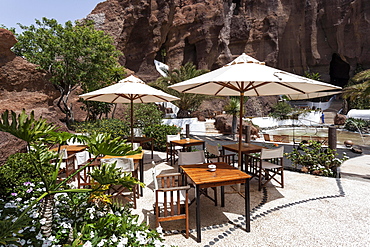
<point>233,126</point>
<point>47,206</point>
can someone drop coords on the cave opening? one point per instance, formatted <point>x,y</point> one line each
<point>237,6</point>
<point>162,53</point>
<point>190,53</point>
<point>339,70</point>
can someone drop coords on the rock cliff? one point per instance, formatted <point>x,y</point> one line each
<point>22,86</point>
<point>329,37</point>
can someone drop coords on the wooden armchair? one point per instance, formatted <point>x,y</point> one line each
<point>268,166</point>
<point>171,153</point>
<point>119,191</point>
<point>213,154</point>
<point>171,200</point>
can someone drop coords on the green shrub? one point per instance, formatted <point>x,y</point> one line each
<point>281,110</point>
<point>17,171</point>
<point>146,115</point>
<point>115,127</point>
<point>316,159</point>
<point>159,133</point>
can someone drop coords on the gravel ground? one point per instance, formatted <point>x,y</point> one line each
<point>308,211</point>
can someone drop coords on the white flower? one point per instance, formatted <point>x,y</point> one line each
<point>34,214</point>
<point>92,234</point>
<point>159,229</point>
<point>32,229</point>
<point>113,238</point>
<point>101,243</point>
<point>117,213</point>
<point>18,199</point>
<point>42,221</point>
<point>122,242</point>
<point>87,244</point>
<point>157,243</point>
<point>22,242</point>
<point>39,236</point>
<point>52,238</point>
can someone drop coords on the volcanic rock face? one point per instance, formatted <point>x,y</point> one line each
<point>22,86</point>
<point>292,35</point>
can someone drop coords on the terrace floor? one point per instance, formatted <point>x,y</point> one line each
<point>309,211</point>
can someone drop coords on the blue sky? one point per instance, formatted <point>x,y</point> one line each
<point>26,11</point>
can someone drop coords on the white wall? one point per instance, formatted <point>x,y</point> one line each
<point>309,119</point>
<point>196,127</point>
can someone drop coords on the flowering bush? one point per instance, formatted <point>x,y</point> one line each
<point>78,220</point>
<point>316,159</point>
<point>53,214</point>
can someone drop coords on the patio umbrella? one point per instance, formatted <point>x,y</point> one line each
<point>246,76</point>
<point>311,95</point>
<point>129,90</point>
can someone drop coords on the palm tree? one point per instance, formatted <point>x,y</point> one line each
<point>233,109</point>
<point>360,90</point>
<point>188,102</point>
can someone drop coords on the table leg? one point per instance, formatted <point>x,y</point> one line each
<point>247,207</point>
<point>171,153</point>
<point>141,164</point>
<point>152,142</point>
<point>198,214</point>
<point>222,196</point>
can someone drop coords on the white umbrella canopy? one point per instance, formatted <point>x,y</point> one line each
<point>246,76</point>
<point>311,95</point>
<point>129,90</point>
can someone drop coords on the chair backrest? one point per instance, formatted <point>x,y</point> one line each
<point>63,153</point>
<point>173,137</point>
<point>154,174</point>
<point>190,158</point>
<point>272,153</point>
<point>138,132</point>
<point>266,137</point>
<point>212,149</point>
<point>125,164</point>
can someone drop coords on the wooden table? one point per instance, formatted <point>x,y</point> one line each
<point>247,148</point>
<point>224,175</point>
<point>71,149</point>
<point>185,144</point>
<point>137,158</point>
<point>143,139</point>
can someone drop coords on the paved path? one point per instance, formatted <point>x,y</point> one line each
<point>309,211</point>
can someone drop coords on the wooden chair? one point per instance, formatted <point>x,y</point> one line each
<point>213,154</point>
<point>276,138</point>
<point>285,138</point>
<point>119,191</point>
<point>171,200</point>
<point>268,166</point>
<point>172,153</point>
<point>84,180</point>
<point>266,137</point>
<point>67,166</point>
<point>196,157</point>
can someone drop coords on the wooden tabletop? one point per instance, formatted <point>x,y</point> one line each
<point>246,148</point>
<point>183,142</point>
<point>138,156</point>
<point>224,174</point>
<point>71,148</point>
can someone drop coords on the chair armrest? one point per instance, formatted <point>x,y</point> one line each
<point>169,175</point>
<point>187,187</point>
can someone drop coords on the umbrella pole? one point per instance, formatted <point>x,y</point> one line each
<point>132,124</point>
<point>240,157</point>
<point>240,130</point>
